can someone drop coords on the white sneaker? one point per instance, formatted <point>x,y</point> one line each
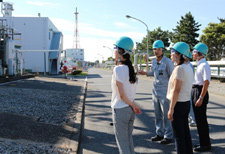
<point>192,124</point>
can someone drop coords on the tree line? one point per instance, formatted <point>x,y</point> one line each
<point>187,31</point>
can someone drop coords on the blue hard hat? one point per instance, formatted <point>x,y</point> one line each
<point>182,48</point>
<point>158,44</point>
<point>125,43</point>
<point>201,47</point>
<point>190,55</point>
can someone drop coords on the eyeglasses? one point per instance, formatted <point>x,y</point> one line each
<point>195,51</point>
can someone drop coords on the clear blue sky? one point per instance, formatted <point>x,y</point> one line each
<point>102,22</point>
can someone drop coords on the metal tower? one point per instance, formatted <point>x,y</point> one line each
<point>76,39</point>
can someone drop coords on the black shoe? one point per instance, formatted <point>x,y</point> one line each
<point>196,145</point>
<point>157,138</point>
<point>166,141</point>
<point>203,148</point>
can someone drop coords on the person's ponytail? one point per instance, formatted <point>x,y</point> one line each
<point>127,62</point>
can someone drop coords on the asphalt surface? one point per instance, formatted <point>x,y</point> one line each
<point>98,135</point>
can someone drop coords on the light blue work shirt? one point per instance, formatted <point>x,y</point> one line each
<point>161,72</point>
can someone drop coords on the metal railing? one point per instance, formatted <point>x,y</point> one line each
<point>217,68</point>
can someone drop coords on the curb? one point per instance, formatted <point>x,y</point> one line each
<point>15,78</point>
<point>75,146</point>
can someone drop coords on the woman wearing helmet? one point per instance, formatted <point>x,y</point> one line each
<point>123,92</point>
<point>191,117</point>
<point>179,90</point>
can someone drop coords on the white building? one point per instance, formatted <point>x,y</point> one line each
<point>38,33</point>
<point>76,55</point>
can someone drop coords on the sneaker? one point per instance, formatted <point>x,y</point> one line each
<point>157,138</point>
<point>166,141</point>
<point>192,124</point>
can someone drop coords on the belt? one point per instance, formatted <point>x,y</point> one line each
<point>196,86</point>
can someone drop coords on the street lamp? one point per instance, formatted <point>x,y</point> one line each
<point>147,38</point>
<point>101,56</point>
<point>110,49</point>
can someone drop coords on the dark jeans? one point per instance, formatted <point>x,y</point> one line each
<point>200,116</point>
<point>181,129</point>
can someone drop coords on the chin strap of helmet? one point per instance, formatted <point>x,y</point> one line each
<point>175,62</point>
<point>122,53</point>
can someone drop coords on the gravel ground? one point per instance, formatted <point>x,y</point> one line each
<point>14,147</point>
<point>48,107</point>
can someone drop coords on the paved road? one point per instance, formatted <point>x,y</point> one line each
<point>98,135</point>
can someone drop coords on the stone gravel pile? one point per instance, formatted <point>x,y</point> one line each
<point>47,106</point>
<point>50,104</point>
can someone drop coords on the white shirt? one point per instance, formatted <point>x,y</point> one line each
<point>185,74</point>
<point>121,74</point>
<point>202,73</point>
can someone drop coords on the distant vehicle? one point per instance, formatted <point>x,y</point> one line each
<point>68,65</point>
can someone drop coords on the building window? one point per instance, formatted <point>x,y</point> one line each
<point>49,35</point>
<point>81,59</point>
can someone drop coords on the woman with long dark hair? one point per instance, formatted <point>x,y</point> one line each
<point>179,90</point>
<point>123,92</point>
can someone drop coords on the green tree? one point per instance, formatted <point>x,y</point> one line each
<point>110,58</point>
<point>186,30</point>
<point>221,20</point>
<point>156,34</point>
<point>214,38</point>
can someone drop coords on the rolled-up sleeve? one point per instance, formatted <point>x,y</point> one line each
<point>206,72</point>
<point>150,73</point>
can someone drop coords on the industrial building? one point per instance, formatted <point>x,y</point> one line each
<point>39,33</point>
<point>75,55</point>
<point>29,43</point>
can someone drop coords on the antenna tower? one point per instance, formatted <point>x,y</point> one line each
<point>76,39</point>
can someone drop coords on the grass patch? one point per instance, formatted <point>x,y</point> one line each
<point>81,74</point>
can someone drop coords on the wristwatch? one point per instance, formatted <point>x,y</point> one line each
<point>200,97</point>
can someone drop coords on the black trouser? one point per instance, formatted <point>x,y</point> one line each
<point>181,129</point>
<point>200,115</point>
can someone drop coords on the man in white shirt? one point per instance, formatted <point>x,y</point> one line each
<point>200,96</point>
